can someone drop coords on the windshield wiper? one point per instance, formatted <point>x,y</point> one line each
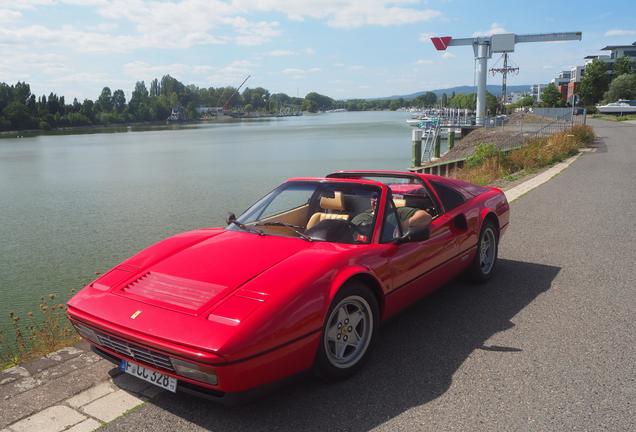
<point>294,228</point>
<point>247,227</point>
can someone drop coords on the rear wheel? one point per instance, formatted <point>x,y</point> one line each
<point>485,260</point>
<point>349,332</point>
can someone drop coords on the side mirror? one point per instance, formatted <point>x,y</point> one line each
<point>414,234</point>
<point>231,217</point>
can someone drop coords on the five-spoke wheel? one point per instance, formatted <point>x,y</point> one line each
<point>349,331</point>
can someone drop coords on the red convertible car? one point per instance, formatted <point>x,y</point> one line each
<point>301,280</point>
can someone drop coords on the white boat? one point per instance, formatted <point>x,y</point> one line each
<point>622,106</point>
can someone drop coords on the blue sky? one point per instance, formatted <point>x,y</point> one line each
<point>342,48</point>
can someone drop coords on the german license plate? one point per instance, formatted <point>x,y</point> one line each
<point>157,378</point>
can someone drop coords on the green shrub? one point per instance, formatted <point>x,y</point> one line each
<point>482,152</point>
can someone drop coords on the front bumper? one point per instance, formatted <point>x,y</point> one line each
<point>237,381</point>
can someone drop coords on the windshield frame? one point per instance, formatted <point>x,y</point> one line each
<point>254,213</point>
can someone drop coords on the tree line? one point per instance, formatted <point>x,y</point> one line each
<point>21,110</point>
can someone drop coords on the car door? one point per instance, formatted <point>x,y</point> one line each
<point>415,265</point>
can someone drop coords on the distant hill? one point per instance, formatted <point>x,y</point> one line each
<point>494,89</point>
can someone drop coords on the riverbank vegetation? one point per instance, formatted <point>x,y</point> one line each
<point>36,333</point>
<point>489,164</point>
<point>21,110</point>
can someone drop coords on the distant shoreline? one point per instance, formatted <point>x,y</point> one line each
<point>136,126</point>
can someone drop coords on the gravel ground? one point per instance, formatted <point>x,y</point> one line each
<point>549,344</point>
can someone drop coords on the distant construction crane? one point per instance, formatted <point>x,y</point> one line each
<point>229,99</point>
<point>483,47</point>
<point>504,71</point>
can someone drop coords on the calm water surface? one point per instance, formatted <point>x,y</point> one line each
<point>74,205</point>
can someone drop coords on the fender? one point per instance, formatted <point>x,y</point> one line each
<point>347,274</point>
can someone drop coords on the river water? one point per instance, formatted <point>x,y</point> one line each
<point>74,205</point>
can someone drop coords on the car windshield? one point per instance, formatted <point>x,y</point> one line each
<point>314,211</point>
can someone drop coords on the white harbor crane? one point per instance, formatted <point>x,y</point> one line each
<point>484,47</point>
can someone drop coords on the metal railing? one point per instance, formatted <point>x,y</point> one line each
<point>561,123</point>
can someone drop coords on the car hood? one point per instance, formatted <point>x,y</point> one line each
<point>195,278</point>
<point>198,290</point>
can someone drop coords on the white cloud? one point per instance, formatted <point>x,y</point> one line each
<point>310,51</point>
<point>254,33</point>
<point>231,74</point>
<point>617,32</point>
<point>15,66</point>
<point>426,37</point>
<point>83,77</point>
<point>143,70</point>
<point>448,55</point>
<point>280,53</point>
<point>297,73</point>
<point>343,13</point>
<point>356,67</point>
<point>495,28</point>
<point>424,62</point>
<point>8,15</point>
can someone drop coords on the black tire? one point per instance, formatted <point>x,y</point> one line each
<point>478,272</point>
<point>353,294</point>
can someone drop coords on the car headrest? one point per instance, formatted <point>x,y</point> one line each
<point>335,203</point>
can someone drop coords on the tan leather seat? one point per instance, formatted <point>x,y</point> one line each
<point>334,204</point>
<point>399,202</point>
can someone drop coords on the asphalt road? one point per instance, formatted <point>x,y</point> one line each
<point>548,344</point>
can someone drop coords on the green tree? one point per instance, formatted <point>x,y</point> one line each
<point>318,102</point>
<point>551,97</point>
<point>622,87</point>
<point>18,114</point>
<point>119,101</point>
<point>139,105</point>
<point>444,99</point>
<point>594,82</point>
<point>623,65</point>
<point>105,100</point>
<point>492,103</point>
<point>88,109</point>
<point>155,88</point>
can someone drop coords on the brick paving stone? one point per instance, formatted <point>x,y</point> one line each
<point>87,425</point>
<point>93,393</point>
<point>65,353</point>
<point>54,419</point>
<point>112,406</point>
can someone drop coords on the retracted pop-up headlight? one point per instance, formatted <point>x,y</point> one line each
<point>195,372</point>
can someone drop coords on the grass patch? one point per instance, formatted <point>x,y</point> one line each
<point>614,118</point>
<point>36,334</point>
<point>488,164</point>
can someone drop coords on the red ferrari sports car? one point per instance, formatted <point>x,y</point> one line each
<point>301,280</point>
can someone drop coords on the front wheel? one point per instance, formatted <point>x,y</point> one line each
<point>483,265</point>
<point>348,333</point>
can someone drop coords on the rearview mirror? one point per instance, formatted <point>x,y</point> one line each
<point>231,217</point>
<point>414,234</point>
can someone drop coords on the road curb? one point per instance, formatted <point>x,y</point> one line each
<point>516,192</point>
